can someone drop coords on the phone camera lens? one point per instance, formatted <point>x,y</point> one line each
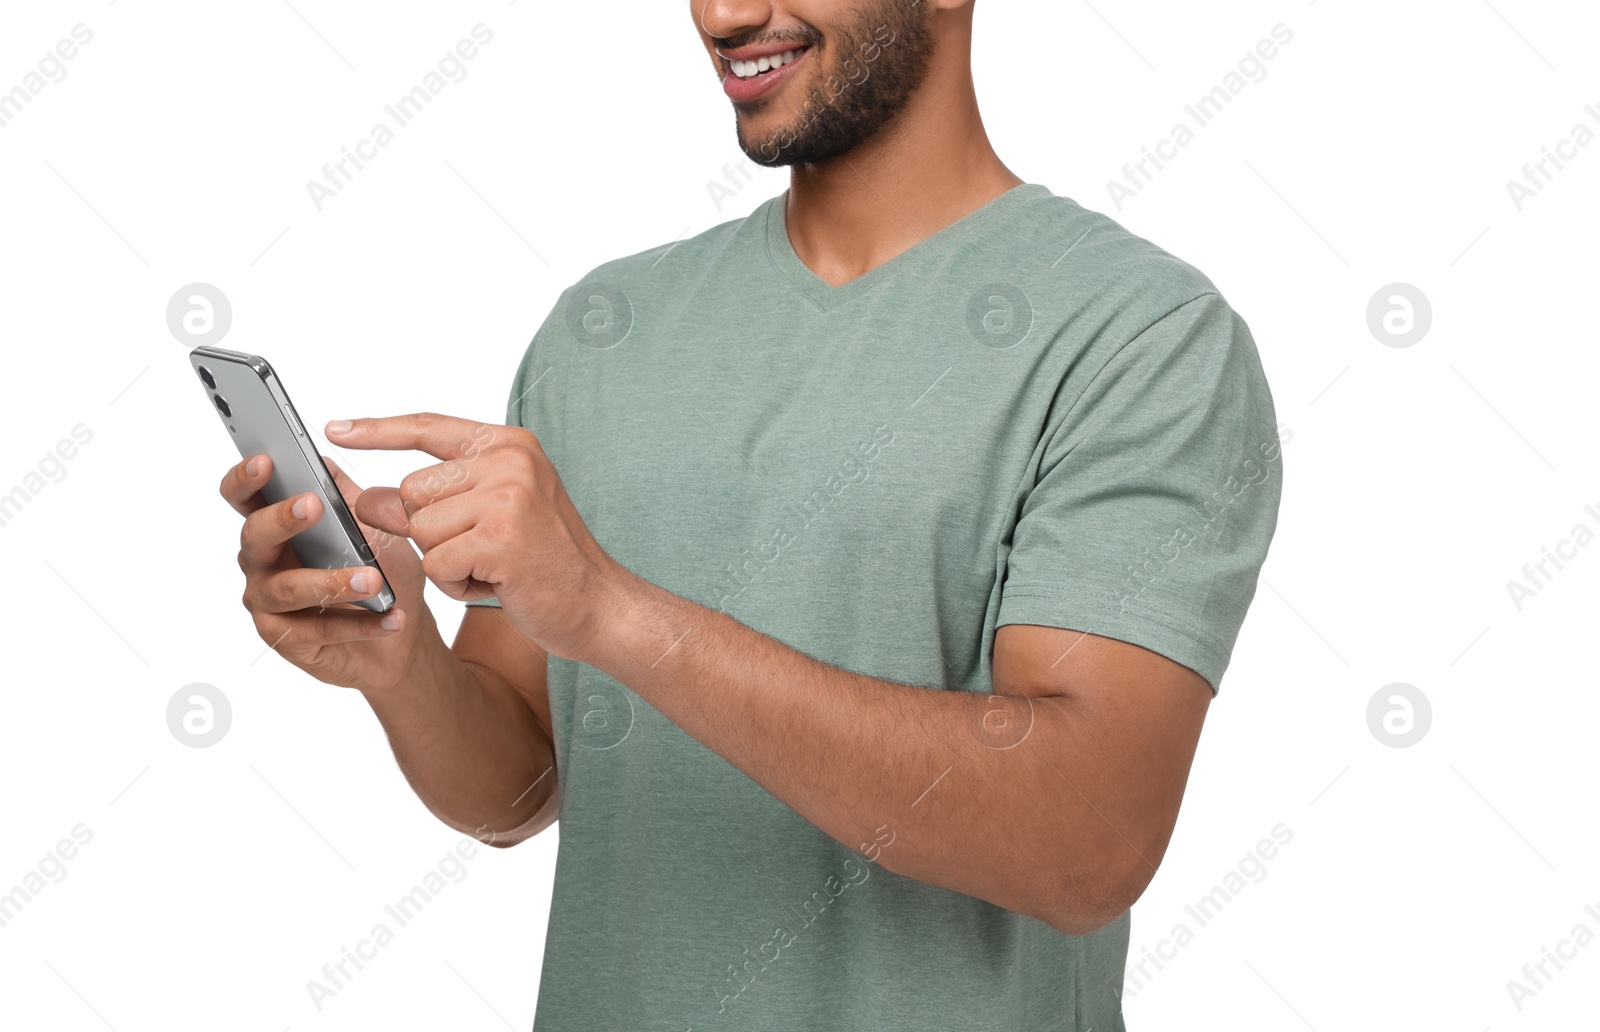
<point>206,377</point>
<point>222,406</point>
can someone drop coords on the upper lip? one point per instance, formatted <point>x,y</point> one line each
<point>752,53</point>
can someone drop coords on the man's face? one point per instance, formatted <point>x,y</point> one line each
<point>843,70</point>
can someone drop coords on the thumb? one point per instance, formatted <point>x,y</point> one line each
<point>380,507</point>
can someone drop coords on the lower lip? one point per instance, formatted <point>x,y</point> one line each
<point>743,90</point>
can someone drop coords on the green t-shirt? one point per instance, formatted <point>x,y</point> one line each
<point>1031,416</point>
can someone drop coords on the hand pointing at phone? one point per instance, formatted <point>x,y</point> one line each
<point>492,518</point>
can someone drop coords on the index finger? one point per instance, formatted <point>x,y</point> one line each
<point>443,437</point>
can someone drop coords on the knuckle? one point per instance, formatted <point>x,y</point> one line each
<point>281,590</point>
<point>263,625</point>
<point>252,595</point>
<point>512,496</point>
<point>526,459</point>
<point>427,487</point>
<point>490,529</point>
<point>441,572</point>
<point>417,524</point>
<point>418,489</point>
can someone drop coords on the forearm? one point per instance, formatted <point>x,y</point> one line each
<point>471,749</point>
<point>905,774</point>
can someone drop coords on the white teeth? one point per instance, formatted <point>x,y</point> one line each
<point>749,69</point>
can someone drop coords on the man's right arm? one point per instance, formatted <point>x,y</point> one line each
<point>470,729</point>
<point>469,725</point>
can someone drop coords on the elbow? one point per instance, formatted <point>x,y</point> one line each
<point>543,818</point>
<point>1082,919</point>
<point>505,839</point>
<point>1083,905</point>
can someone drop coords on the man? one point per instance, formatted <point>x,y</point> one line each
<point>901,537</point>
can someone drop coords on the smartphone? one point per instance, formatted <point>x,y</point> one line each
<point>252,404</point>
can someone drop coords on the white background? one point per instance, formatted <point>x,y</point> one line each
<point>1419,480</point>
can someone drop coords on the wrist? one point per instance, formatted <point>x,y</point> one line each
<point>421,662</point>
<point>616,617</point>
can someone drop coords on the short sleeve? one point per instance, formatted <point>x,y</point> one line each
<point>519,405</point>
<point>1156,495</point>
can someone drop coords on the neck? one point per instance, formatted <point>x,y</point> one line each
<point>928,167</point>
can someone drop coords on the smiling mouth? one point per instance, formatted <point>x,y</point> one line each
<point>763,65</point>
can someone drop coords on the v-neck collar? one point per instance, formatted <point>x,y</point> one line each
<point>825,296</point>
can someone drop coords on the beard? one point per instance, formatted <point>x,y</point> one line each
<point>883,56</point>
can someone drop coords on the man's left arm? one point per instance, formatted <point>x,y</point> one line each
<point>1054,798</point>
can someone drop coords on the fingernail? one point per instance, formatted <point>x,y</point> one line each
<point>299,508</point>
<point>365,581</point>
<point>252,467</point>
<point>390,621</point>
<point>339,426</point>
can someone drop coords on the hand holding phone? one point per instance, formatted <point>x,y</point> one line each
<point>256,410</point>
<point>310,569</point>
